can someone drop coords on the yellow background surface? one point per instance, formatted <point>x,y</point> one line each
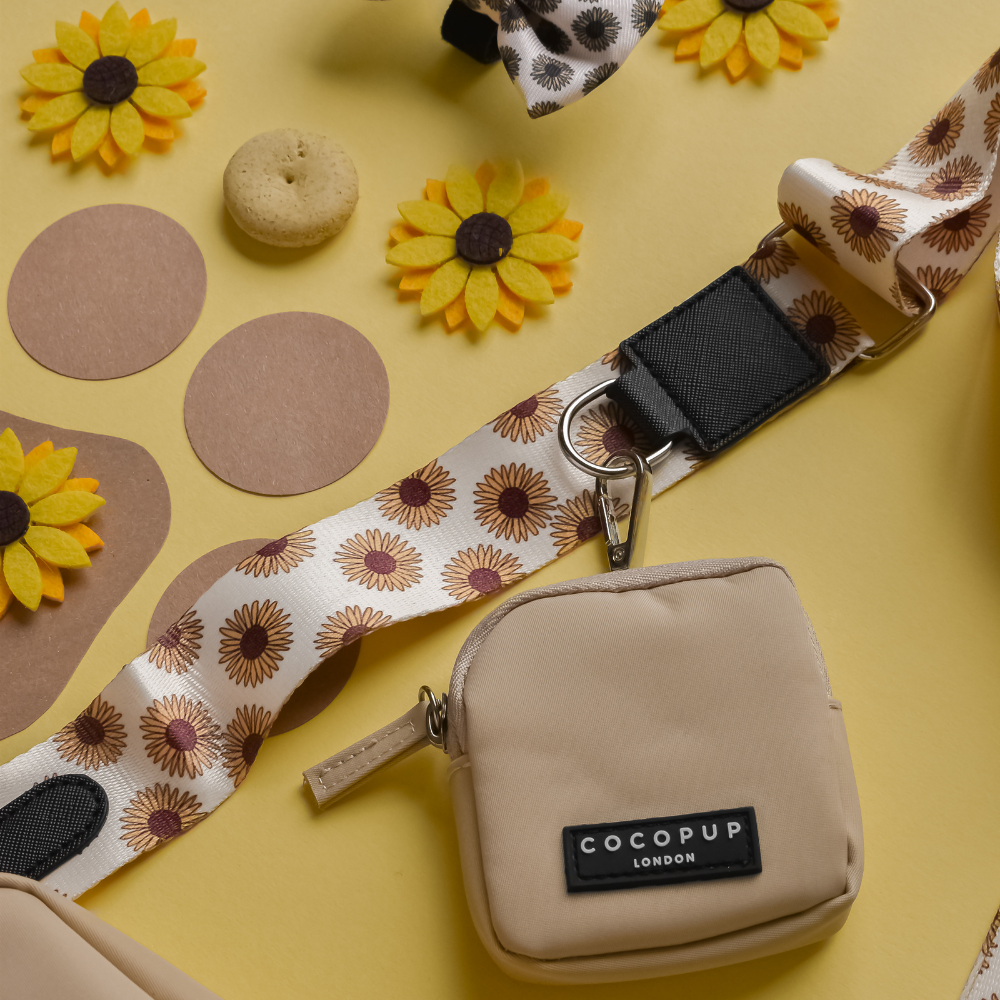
<point>880,494</point>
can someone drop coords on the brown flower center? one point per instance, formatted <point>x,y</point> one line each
<point>805,234</point>
<point>617,438</point>
<point>181,735</point>
<point>110,80</point>
<point>747,6</point>
<point>88,730</point>
<point>253,642</point>
<point>513,502</point>
<point>484,580</point>
<point>380,562</point>
<point>939,133</point>
<point>587,528</point>
<point>251,746</point>
<point>274,548</point>
<point>164,823</point>
<point>957,222</point>
<point>526,408</point>
<point>864,220</point>
<point>414,492</point>
<point>353,633</point>
<point>821,329</point>
<point>484,238</point>
<point>171,638</point>
<point>948,185</point>
<point>14,517</point>
<point>767,250</point>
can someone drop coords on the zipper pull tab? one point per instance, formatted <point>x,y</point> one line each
<point>425,723</point>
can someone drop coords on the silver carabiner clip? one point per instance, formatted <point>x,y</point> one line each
<point>630,553</point>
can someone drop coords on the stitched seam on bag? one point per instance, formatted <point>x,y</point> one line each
<point>340,779</point>
<point>777,402</point>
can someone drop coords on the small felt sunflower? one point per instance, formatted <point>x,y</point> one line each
<point>482,245</point>
<point>742,32</point>
<point>109,83</point>
<point>42,512</point>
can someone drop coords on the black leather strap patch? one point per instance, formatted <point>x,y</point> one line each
<point>691,848</point>
<point>717,366</point>
<point>473,33</point>
<point>50,823</point>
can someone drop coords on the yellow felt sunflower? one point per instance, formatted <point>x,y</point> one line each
<point>479,246</point>
<point>42,512</point>
<point>744,31</point>
<point>109,83</point>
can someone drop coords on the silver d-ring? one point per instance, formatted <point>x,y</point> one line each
<point>566,440</point>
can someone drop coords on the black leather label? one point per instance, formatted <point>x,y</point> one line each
<point>691,848</point>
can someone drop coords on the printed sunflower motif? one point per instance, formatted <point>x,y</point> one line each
<point>480,246</point>
<point>992,124</point>
<point>181,734</point>
<point>157,814</point>
<point>531,418</point>
<point>873,177</point>
<point>989,73</point>
<point>806,228</point>
<point>644,15</point>
<point>960,231</point>
<point>94,738</point>
<point>42,512</point>
<point>741,32</point>
<point>956,180</point>
<point>514,502</point>
<point>477,572</point>
<point>242,741</point>
<point>511,61</point>
<point>596,77</point>
<point>110,83</point>
<point>551,73</point>
<point>379,560</point>
<point>419,500</point>
<point>939,136</point>
<point>177,648</point>
<point>867,221</point>
<point>280,556</point>
<point>772,260</point>
<point>576,521</point>
<point>615,360</point>
<point>348,626</point>
<point>596,29</point>
<point>940,280</point>
<point>605,431</point>
<point>542,108</point>
<point>827,325</point>
<point>253,641</point>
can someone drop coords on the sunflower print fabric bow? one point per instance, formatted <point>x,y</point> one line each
<point>558,51</point>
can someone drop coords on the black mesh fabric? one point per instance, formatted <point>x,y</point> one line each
<point>717,366</point>
<point>50,823</point>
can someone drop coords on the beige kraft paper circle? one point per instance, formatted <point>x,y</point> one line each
<point>314,693</point>
<point>106,291</point>
<point>286,403</point>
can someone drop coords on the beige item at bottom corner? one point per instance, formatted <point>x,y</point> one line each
<point>290,188</point>
<point>54,949</point>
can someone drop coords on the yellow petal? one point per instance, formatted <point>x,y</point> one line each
<point>525,279</point>
<point>33,103</point>
<point>139,20</point>
<point>690,45</point>
<point>537,213</point>
<point>47,475</point>
<point>534,189</point>
<point>723,33</point>
<point>504,192</point>
<point>58,112</point>
<point>455,315</point>
<point>445,286</point>
<point>738,60</point>
<point>463,192</point>
<point>510,306</point>
<point>161,102</point>
<point>75,44</point>
<point>52,582</point>
<point>191,91</point>
<point>566,227</point>
<point>83,483</point>
<point>127,128</point>
<point>11,461</point>
<point>797,20</point>
<point>62,139</point>
<point>65,508</point>
<point>56,78</point>
<point>435,191</point>
<point>150,42</point>
<point>22,574</point>
<point>424,251</point>
<point>430,218</point>
<point>6,597</point>
<point>116,33</point>
<point>481,295</point>
<point>762,39</point>
<point>85,535</point>
<point>691,14</point>
<point>485,173</point>
<point>157,128</point>
<point>57,547</point>
<point>182,47</point>
<point>557,276</point>
<point>48,56</point>
<point>791,51</point>
<point>90,131</point>
<point>91,26</point>
<point>109,150</point>
<point>169,71</point>
<point>37,453</point>
<point>543,248</point>
<point>416,281</point>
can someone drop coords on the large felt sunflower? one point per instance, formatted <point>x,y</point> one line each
<point>743,31</point>
<point>109,83</point>
<point>481,245</point>
<point>41,521</point>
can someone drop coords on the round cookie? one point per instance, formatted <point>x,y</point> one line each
<point>290,188</point>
